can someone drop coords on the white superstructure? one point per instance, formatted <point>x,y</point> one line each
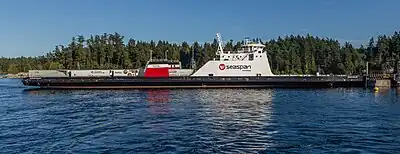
<point>249,60</point>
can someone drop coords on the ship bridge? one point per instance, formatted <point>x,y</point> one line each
<point>249,51</point>
<point>249,47</point>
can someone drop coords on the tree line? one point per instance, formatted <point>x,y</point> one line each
<point>287,55</point>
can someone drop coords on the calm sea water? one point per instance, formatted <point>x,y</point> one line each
<point>198,121</point>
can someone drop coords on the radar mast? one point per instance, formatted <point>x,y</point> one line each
<point>220,49</point>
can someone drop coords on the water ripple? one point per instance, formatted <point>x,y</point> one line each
<point>198,121</point>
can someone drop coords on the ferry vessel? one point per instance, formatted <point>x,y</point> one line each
<point>245,67</point>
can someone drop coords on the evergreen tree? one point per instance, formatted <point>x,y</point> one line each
<point>288,54</point>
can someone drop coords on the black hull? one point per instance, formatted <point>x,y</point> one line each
<point>198,82</point>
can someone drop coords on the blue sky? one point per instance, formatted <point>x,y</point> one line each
<point>34,27</point>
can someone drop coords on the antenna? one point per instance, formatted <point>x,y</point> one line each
<point>193,62</point>
<point>79,66</point>
<point>246,40</point>
<point>220,49</point>
<point>151,55</point>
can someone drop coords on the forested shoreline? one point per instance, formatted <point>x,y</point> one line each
<point>292,54</point>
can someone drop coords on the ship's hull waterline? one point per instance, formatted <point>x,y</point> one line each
<point>198,82</point>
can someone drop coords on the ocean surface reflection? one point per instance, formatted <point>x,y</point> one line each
<point>198,120</point>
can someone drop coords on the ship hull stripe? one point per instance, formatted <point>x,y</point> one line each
<point>192,83</point>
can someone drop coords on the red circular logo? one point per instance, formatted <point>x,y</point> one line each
<point>221,66</point>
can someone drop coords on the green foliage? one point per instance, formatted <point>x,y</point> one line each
<point>55,65</point>
<point>288,55</point>
<point>12,68</point>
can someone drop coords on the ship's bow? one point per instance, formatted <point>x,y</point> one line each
<point>25,81</point>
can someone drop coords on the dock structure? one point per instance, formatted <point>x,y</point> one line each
<point>381,79</point>
<point>396,80</point>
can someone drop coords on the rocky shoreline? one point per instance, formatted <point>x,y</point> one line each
<point>15,76</point>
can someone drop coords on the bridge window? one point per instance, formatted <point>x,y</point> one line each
<point>251,57</point>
